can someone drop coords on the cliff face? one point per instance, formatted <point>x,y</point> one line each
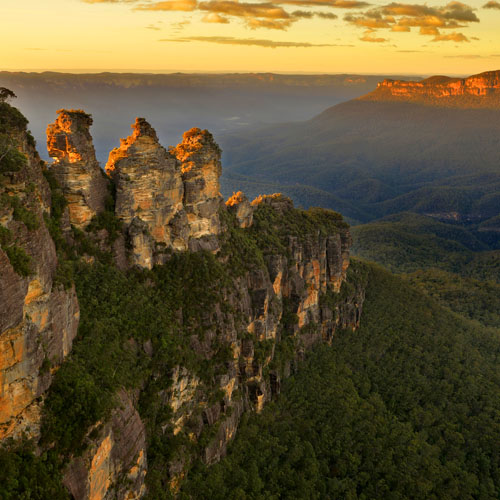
<point>478,91</point>
<point>70,144</point>
<point>115,464</point>
<point>201,168</point>
<point>149,194</point>
<point>168,200</point>
<point>274,283</point>
<point>239,205</point>
<point>279,311</point>
<point>38,319</point>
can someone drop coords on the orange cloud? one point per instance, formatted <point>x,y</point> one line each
<point>170,5</point>
<point>213,17</point>
<point>245,9</point>
<point>340,4</point>
<point>228,40</point>
<point>491,5</point>
<point>451,37</point>
<point>370,38</point>
<point>399,17</point>
<point>271,24</point>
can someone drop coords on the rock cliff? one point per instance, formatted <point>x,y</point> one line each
<point>168,200</point>
<point>115,463</point>
<point>75,166</point>
<point>224,301</point>
<point>478,91</point>
<point>38,318</point>
<point>201,168</point>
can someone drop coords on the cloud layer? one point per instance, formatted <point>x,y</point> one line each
<point>443,23</point>
<point>400,17</point>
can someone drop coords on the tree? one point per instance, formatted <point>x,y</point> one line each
<point>6,94</point>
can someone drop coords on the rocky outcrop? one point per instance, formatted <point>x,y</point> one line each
<point>75,166</point>
<point>115,463</point>
<point>277,287</point>
<point>200,159</point>
<point>304,284</point>
<point>38,319</point>
<point>168,200</point>
<point>149,194</point>
<point>242,209</point>
<point>478,91</point>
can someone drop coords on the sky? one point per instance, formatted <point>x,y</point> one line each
<point>292,36</point>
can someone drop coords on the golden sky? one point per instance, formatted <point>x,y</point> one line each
<point>327,36</point>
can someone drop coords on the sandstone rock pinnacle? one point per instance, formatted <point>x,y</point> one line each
<point>200,159</point>
<point>75,166</point>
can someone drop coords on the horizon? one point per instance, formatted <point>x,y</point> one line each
<point>167,72</point>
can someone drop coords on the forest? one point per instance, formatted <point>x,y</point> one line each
<point>406,407</point>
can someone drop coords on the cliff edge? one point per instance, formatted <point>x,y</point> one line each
<point>478,91</point>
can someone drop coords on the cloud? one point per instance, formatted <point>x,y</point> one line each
<point>229,40</point>
<point>465,56</point>
<point>401,17</point>
<point>340,4</point>
<point>326,15</point>
<point>109,1</point>
<point>451,37</point>
<point>257,15</point>
<point>492,5</point>
<point>213,17</point>
<point>170,5</point>
<point>367,37</point>
<point>305,14</point>
<point>245,9</point>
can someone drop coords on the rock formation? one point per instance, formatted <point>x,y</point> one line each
<point>115,462</point>
<point>313,267</point>
<point>478,91</point>
<point>242,209</point>
<point>168,200</point>
<point>277,288</point>
<point>200,156</point>
<point>149,194</point>
<point>38,319</point>
<point>75,166</point>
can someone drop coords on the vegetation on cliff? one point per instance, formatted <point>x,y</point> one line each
<point>407,407</point>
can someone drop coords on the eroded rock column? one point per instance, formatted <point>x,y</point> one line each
<point>75,166</point>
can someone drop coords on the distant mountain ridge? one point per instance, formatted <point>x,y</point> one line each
<point>477,91</point>
<point>430,147</point>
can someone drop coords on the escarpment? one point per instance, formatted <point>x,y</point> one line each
<point>75,167</point>
<point>216,304</point>
<point>478,91</point>
<point>38,317</point>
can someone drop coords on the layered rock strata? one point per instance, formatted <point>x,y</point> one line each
<point>115,464</point>
<point>38,319</point>
<point>259,330</point>
<point>75,166</point>
<point>149,194</point>
<point>200,159</point>
<point>169,200</point>
<point>478,91</point>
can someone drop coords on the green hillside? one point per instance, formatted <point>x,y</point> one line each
<point>408,407</point>
<point>380,158</point>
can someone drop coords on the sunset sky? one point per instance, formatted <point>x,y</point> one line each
<point>327,36</point>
